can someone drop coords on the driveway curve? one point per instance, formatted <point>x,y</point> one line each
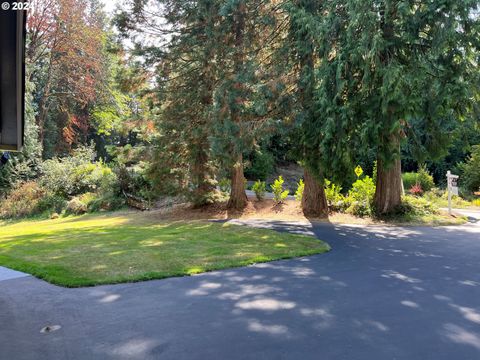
<point>401,293</point>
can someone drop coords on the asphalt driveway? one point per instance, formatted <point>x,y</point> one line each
<point>382,293</point>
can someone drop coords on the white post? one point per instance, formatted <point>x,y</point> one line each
<point>449,192</point>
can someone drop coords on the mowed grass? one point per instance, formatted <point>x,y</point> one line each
<point>111,248</point>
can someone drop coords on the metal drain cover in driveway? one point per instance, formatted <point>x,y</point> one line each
<point>50,328</point>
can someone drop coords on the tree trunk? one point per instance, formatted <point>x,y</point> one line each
<point>201,177</point>
<point>388,193</point>
<point>314,201</point>
<point>238,197</point>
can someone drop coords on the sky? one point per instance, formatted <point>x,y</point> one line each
<point>110,5</point>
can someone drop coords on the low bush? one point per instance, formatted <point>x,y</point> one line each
<point>279,194</point>
<point>300,190</point>
<point>259,188</point>
<point>422,177</point>
<point>76,174</point>
<point>333,193</point>
<point>76,207</point>
<point>106,202</point>
<point>51,203</point>
<point>416,190</point>
<point>412,205</point>
<point>360,197</point>
<point>22,201</point>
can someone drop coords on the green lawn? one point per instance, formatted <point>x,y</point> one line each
<point>111,248</point>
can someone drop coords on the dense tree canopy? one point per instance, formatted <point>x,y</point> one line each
<point>179,96</point>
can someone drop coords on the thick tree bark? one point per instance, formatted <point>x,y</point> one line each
<point>238,197</point>
<point>388,193</point>
<point>389,187</point>
<point>314,201</point>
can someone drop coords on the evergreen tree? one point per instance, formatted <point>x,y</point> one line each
<point>186,76</point>
<point>304,20</point>
<point>250,94</point>
<point>387,64</point>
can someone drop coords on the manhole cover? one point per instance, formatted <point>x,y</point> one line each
<point>50,328</point>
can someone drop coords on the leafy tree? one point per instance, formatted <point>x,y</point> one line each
<point>470,171</point>
<point>65,44</point>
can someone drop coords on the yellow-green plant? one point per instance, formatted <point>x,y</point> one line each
<point>277,188</point>
<point>259,188</point>
<point>300,189</point>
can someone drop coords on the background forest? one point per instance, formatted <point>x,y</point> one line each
<point>198,101</point>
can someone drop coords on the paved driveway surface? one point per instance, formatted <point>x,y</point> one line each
<point>382,293</point>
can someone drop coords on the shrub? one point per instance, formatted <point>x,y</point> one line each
<point>51,203</point>
<point>22,201</point>
<point>409,179</point>
<point>416,190</point>
<point>259,187</point>
<point>106,202</point>
<point>422,177</point>
<point>425,179</point>
<point>76,174</point>
<point>336,201</point>
<point>358,208</point>
<point>300,189</point>
<point>470,171</point>
<point>279,194</point>
<point>412,205</point>
<point>76,207</point>
<point>360,197</point>
<point>332,192</point>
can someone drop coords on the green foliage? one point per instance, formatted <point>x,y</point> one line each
<point>361,196</point>
<point>384,72</point>
<point>336,200</point>
<point>76,174</point>
<point>413,205</point>
<point>279,194</point>
<point>422,177</point>
<point>262,165</point>
<point>51,203</point>
<point>470,171</point>
<point>259,188</point>
<point>225,185</point>
<point>333,192</point>
<point>108,201</point>
<point>300,190</point>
